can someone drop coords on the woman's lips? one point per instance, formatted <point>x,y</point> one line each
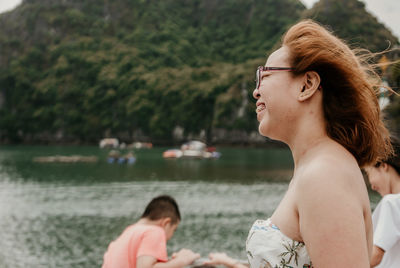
<point>260,110</point>
<point>260,107</point>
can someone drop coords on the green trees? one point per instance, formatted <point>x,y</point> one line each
<point>349,20</point>
<point>78,71</point>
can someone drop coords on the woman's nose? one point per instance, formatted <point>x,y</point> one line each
<point>256,94</point>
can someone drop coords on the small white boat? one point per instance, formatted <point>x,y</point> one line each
<point>109,143</point>
<point>192,149</point>
<point>172,153</point>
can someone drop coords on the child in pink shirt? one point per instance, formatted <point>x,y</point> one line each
<point>144,244</point>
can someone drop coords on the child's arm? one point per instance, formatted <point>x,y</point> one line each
<point>223,259</point>
<point>377,255</point>
<point>179,260</point>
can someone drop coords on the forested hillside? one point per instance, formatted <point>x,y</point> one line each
<point>77,71</point>
<point>350,21</point>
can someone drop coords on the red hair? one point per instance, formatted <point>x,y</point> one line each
<point>350,84</point>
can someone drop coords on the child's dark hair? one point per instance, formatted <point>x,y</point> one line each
<point>393,160</point>
<point>162,206</point>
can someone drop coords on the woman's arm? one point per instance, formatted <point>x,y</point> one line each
<point>331,217</point>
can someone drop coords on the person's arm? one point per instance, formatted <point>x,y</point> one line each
<point>145,262</point>
<point>386,227</point>
<point>377,255</point>
<point>331,218</point>
<point>223,259</point>
<point>180,259</point>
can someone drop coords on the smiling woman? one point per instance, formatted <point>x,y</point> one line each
<point>318,97</point>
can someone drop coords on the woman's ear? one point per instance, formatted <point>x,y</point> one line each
<point>311,85</point>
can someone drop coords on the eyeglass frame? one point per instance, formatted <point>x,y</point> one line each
<point>265,68</point>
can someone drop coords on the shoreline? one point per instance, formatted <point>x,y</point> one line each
<point>266,144</point>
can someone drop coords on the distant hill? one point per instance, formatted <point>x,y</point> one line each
<point>193,32</point>
<point>350,20</point>
<point>76,71</point>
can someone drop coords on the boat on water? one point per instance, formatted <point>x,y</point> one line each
<point>115,156</point>
<point>109,143</point>
<point>192,149</point>
<point>121,160</point>
<point>172,153</point>
<point>140,145</point>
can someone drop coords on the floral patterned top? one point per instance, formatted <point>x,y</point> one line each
<point>268,247</point>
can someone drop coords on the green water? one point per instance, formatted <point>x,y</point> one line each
<point>65,215</point>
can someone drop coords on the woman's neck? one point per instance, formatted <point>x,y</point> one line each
<point>309,133</point>
<point>307,140</point>
<point>305,150</point>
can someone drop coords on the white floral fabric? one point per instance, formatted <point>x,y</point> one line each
<point>268,247</point>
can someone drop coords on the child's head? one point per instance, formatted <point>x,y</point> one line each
<point>165,209</point>
<point>384,175</point>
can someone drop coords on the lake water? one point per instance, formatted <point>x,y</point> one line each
<point>65,215</point>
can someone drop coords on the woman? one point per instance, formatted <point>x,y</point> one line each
<point>315,95</point>
<point>384,178</point>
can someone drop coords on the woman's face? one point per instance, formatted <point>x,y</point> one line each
<point>276,97</point>
<point>379,179</point>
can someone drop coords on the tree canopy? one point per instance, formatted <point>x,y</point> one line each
<point>81,70</point>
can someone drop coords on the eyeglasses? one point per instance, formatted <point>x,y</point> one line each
<point>263,69</point>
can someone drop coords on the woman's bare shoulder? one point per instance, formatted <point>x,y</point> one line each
<point>331,211</point>
<point>331,177</point>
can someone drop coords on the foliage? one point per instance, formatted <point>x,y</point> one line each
<point>349,20</point>
<point>393,110</point>
<point>81,70</point>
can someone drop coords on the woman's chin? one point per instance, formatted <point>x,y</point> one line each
<point>260,115</point>
<point>267,131</point>
<point>263,130</point>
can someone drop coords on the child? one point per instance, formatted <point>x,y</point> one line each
<point>144,244</point>
<point>384,178</point>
